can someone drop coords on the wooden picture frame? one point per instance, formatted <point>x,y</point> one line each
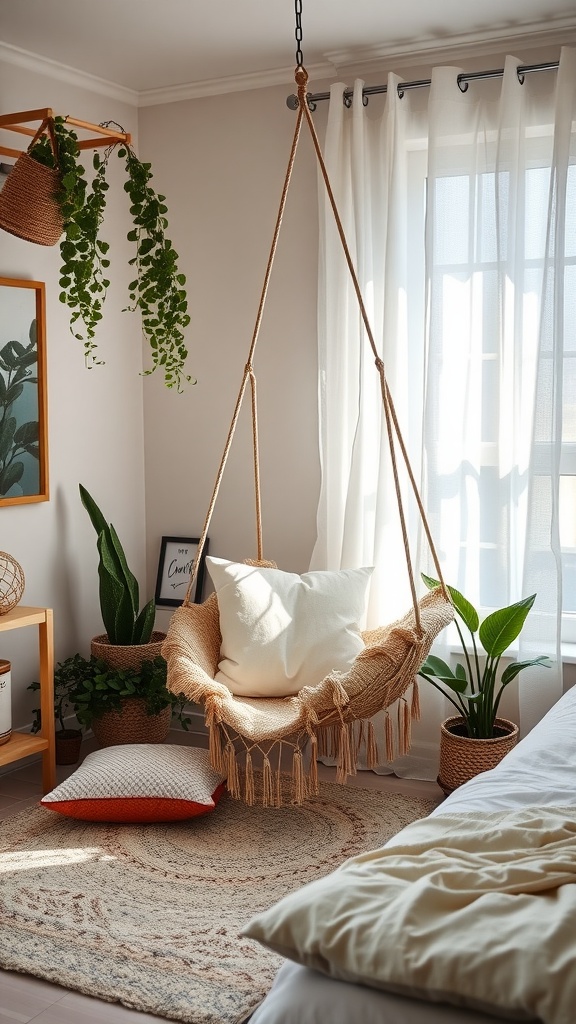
<point>177,556</point>
<point>23,393</point>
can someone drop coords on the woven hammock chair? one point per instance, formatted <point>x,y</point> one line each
<point>331,718</point>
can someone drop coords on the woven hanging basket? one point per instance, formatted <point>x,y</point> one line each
<point>462,758</point>
<point>132,724</point>
<point>129,656</point>
<point>28,205</point>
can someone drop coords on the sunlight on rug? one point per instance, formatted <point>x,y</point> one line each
<point>149,915</point>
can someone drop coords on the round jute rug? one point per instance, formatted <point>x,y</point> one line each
<point>149,915</point>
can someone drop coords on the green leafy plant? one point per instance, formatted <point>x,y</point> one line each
<point>101,688</point>
<point>475,689</point>
<point>158,289</point>
<point>66,676</point>
<point>119,592</point>
<point>16,440</point>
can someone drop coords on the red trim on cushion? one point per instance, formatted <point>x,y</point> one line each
<point>132,809</point>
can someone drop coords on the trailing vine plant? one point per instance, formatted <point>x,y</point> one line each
<point>158,289</point>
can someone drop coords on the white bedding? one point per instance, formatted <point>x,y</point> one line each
<point>541,771</point>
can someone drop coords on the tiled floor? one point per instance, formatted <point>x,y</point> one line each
<point>24,998</point>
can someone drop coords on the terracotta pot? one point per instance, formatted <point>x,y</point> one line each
<point>68,743</point>
<point>132,724</point>
<point>462,758</point>
<point>130,656</point>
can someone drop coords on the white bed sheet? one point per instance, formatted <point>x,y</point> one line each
<point>541,770</point>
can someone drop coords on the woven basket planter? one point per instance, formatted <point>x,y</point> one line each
<point>131,656</point>
<point>28,206</point>
<point>462,758</point>
<point>132,724</point>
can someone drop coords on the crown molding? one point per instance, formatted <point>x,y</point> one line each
<point>558,32</point>
<point>63,73</point>
<point>228,84</point>
<point>555,32</point>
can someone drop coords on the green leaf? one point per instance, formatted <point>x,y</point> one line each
<point>467,612</point>
<point>96,517</point>
<point>145,624</point>
<point>27,433</point>
<point>511,671</point>
<point>501,628</point>
<point>127,578</point>
<point>438,668</point>
<point>7,431</point>
<point>11,475</point>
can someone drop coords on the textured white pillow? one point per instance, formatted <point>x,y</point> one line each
<point>281,631</point>
<point>139,782</point>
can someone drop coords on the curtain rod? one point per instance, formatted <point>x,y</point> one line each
<point>313,98</point>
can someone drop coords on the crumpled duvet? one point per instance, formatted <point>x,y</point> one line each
<point>477,909</point>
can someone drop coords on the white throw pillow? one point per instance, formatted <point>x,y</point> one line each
<point>281,631</point>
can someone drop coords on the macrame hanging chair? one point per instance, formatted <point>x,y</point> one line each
<point>331,718</point>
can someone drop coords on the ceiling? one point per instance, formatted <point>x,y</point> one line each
<point>145,45</point>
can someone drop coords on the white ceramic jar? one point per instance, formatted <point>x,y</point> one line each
<point>5,702</point>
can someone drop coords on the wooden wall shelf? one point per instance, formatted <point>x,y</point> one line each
<point>19,122</point>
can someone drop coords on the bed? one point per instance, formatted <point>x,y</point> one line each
<point>538,775</point>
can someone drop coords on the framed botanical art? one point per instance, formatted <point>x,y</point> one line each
<point>23,412</point>
<point>177,556</point>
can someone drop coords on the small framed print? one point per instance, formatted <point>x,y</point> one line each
<point>177,556</point>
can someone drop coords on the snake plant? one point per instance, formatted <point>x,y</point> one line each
<point>119,594</point>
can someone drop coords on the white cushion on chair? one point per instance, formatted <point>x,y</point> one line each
<point>281,631</point>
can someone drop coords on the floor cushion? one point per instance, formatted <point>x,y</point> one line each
<point>139,782</point>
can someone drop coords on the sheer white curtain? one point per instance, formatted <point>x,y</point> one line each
<point>459,211</point>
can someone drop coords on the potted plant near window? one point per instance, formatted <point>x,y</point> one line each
<point>68,740</point>
<point>127,705</point>
<point>47,197</point>
<point>476,739</point>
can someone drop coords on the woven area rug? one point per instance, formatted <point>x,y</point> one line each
<point>149,915</point>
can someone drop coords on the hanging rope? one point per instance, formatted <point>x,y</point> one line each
<point>249,374</point>
<point>391,419</point>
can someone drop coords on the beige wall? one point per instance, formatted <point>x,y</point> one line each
<point>95,419</point>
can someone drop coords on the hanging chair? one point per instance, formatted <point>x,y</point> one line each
<point>331,718</point>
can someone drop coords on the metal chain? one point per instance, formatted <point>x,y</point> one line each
<point>298,33</point>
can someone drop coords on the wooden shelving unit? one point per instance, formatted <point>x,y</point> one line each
<point>19,121</point>
<point>23,744</point>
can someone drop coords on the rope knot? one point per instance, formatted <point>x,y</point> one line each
<point>379,364</point>
<point>301,77</point>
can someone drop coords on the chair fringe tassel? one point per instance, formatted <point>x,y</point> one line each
<point>415,711</point>
<point>341,742</point>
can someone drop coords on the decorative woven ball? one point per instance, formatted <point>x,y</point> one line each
<point>11,582</point>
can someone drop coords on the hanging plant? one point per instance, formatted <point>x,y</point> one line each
<point>158,288</point>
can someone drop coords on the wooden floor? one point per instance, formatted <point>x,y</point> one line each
<point>24,998</point>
